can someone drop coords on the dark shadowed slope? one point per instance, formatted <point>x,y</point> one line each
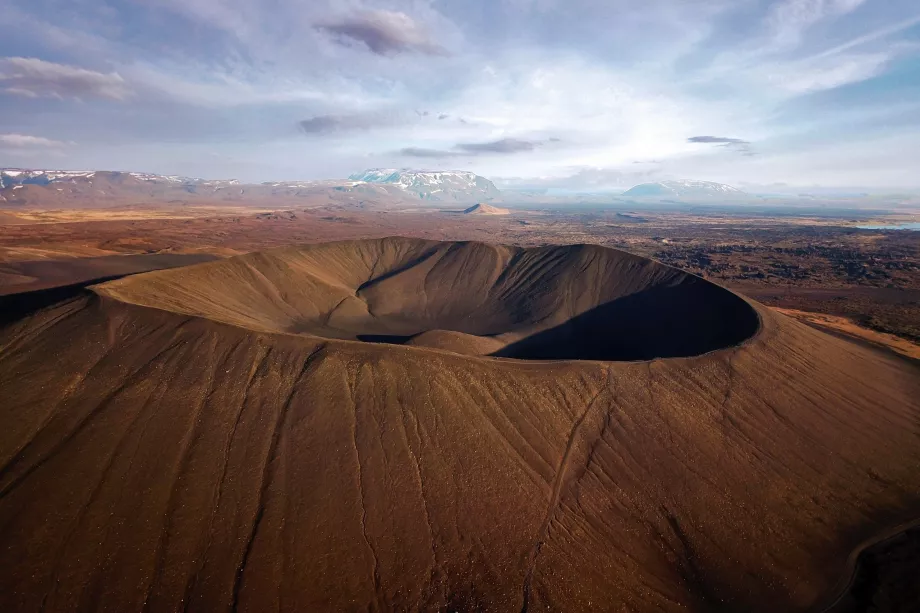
<point>202,439</point>
<point>29,276</point>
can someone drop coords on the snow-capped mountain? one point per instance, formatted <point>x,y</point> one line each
<point>98,188</point>
<point>22,176</point>
<point>41,187</point>
<point>17,176</point>
<point>452,185</point>
<point>684,189</point>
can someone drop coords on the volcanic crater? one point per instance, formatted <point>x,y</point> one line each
<point>580,302</point>
<point>218,437</point>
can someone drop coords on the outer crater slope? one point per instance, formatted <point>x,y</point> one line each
<point>219,437</point>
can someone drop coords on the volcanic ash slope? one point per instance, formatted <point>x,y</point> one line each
<point>408,425</point>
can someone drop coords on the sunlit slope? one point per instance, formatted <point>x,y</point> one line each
<point>163,459</point>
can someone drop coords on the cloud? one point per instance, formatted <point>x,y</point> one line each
<point>839,71</point>
<point>790,18</point>
<point>384,32</point>
<point>421,152</point>
<point>34,78</point>
<point>869,37</point>
<point>25,141</point>
<point>583,179</point>
<point>239,19</point>
<point>505,146</point>
<point>332,124</point>
<point>740,145</point>
<point>717,139</point>
<point>204,86</point>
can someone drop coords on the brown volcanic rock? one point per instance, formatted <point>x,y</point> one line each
<point>215,438</point>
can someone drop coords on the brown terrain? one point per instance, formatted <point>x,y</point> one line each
<point>802,263</point>
<point>400,424</point>
<point>849,329</point>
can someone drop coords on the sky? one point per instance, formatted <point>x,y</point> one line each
<point>562,94</point>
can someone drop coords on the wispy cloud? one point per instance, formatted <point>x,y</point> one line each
<point>790,18</point>
<point>421,152</point>
<point>325,124</point>
<point>343,124</point>
<point>583,179</point>
<point>736,144</point>
<point>505,146</point>
<point>827,72</point>
<point>26,141</point>
<point>717,139</point>
<point>869,37</point>
<point>235,18</point>
<point>384,32</point>
<point>33,78</point>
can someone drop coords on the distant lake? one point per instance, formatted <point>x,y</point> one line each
<point>914,225</point>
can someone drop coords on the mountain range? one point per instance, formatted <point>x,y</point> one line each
<point>380,187</point>
<point>66,188</point>
<point>684,189</point>
<point>30,187</point>
<point>454,185</point>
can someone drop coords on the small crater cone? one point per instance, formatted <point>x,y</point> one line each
<point>486,209</point>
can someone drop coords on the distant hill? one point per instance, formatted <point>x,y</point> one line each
<point>11,177</point>
<point>485,209</point>
<point>94,188</point>
<point>37,187</point>
<point>444,186</point>
<point>21,187</point>
<point>684,189</point>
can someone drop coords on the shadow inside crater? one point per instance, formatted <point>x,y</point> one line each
<point>661,322</point>
<point>388,339</point>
